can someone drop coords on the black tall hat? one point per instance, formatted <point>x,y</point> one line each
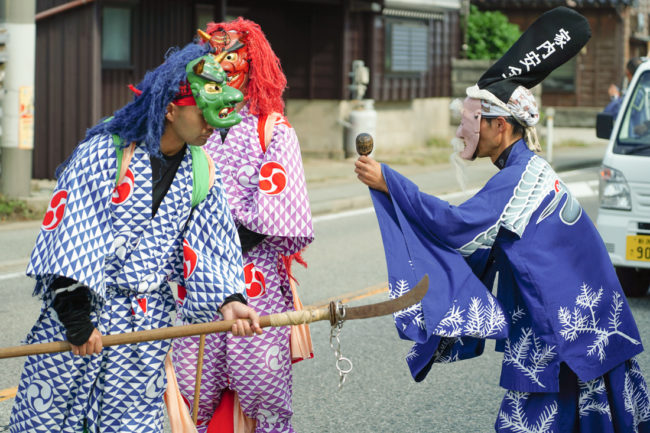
<point>553,39</point>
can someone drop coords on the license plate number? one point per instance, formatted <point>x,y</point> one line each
<point>638,248</point>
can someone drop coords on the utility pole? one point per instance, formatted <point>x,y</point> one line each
<point>464,16</point>
<point>18,31</point>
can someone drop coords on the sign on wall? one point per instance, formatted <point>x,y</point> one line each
<point>26,117</point>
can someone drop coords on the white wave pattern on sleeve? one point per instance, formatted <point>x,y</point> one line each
<point>593,397</point>
<point>529,355</point>
<point>635,394</point>
<point>517,421</point>
<point>535,183</point>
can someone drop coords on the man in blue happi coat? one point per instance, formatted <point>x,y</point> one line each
<point>138,204</point>
<point>559,316</point>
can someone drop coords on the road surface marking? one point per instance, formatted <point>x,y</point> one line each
<point>8,393</point>
<point>12,275</point>
<point>345,214</point>
<point>351,296</point>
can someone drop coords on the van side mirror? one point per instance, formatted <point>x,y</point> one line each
<point>604,125</point>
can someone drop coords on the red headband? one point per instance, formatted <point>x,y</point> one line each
<point>183,97</point>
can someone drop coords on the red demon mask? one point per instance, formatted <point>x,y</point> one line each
<point>236,64</point>
<point>250,63</point>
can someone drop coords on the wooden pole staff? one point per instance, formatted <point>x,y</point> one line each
<point>197,384</point>
<point>279,319</point>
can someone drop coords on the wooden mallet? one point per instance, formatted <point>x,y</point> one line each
<point>364,144</point>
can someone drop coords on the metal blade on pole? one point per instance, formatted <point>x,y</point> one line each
<point>280,319</point>
<point>416,294</point>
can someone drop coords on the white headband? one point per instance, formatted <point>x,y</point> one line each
<point>521,105</point>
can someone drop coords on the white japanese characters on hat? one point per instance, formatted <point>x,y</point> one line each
<point>504,89</point>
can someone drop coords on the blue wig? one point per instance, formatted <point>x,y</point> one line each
<point>143,119</point>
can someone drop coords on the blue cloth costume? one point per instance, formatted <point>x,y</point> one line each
<point>559,309</point>
<point>106,238</point>
<point>614,106</point>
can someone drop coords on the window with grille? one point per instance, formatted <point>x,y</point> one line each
<point>406,47</point>
<point>117,36</point>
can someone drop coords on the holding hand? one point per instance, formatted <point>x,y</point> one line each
<point>92,346</point>
<point>369,172</point>
<point>240,312</point>
<point>613,91</point>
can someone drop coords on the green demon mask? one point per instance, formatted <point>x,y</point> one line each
<point>216,100</point>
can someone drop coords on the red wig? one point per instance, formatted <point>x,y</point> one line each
<point>266,81</point>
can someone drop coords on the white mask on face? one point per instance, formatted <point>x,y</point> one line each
<point>469,128</point>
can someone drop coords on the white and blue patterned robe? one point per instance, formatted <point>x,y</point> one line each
<point>558,299</point>
<point>105,237</point>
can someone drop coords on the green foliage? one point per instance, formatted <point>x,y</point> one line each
<point>12,210</point>
<point>489,34</point>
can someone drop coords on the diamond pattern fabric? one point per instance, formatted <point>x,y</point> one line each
<point>110,242</point>
<point>267,194</point>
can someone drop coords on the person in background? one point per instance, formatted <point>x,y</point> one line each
<point>265,185</point>
<point>615,95</point>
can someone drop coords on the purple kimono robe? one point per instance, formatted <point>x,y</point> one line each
<point>265,186</point>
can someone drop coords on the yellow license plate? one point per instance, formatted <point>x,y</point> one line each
<point>638,248</point>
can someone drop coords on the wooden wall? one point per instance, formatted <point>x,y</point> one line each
<point>316,41</point>
<point>159,25</point>
<point>73,91</point>
<point>307,37</point>
<point>65,94</point>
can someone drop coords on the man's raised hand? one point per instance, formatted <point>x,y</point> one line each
<point>369,172</point>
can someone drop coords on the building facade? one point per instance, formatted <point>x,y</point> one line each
<point>89,51</point>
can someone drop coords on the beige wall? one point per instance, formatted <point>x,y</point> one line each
<point>400,125</point>
<point>411,124</point>
<point>316,123</point>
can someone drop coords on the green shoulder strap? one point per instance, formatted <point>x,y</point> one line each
<point>200,169</point>
<point>117,142</point>
<point>119,151</point>
<point>201,174</point>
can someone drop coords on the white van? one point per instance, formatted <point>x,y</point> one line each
<point>624,214</point>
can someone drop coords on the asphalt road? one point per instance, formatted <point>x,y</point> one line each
<point>379,394</point>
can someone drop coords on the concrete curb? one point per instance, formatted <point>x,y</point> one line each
<point>333,187</point>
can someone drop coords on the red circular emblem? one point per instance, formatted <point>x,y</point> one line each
<point>273,178</point>
<point>182,292</point>
<point>557,185</point>
<point>55,210</point>
<point>189,260</point>
<point>255,285</point>
<point>282,121</point>
<point>123,191</point>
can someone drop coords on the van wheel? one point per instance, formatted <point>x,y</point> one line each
<point>634,281</point>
